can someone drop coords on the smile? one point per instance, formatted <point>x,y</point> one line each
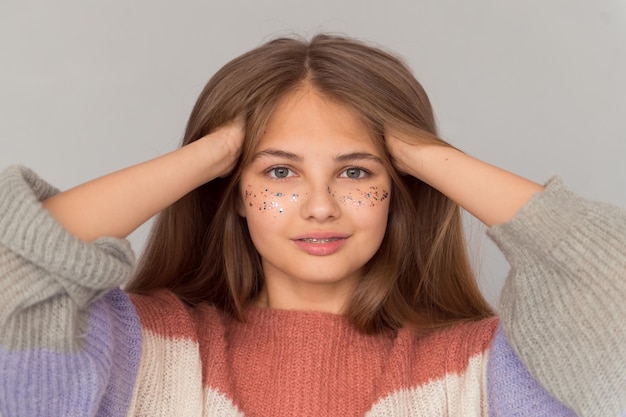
<point>320,245</point>
<point>324,240</point>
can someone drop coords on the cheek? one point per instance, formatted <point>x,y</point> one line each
<point>273,204</point>
<point>267,203</point>
<point>374,197</point>
<point>267,212</point>
<point>368,205</point>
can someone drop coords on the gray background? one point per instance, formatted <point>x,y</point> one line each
<point>538,86</point>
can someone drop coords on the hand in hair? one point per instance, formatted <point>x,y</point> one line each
<point>226,142</point>
<point>404,151</point>
<point>116,204</point>
<point>491,194</point>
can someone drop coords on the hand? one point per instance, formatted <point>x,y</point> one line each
<point>491,194</point>
<point>224,147</point>
<point>407,151</point>
<point>117,203</point>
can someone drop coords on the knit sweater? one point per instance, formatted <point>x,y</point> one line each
<point>73,344</point>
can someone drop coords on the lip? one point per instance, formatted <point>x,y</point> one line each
<point>337,240</point>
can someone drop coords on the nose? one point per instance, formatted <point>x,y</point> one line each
<point>320,204</point>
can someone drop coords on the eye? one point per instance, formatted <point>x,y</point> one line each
<point>355,173</point>
<point>279,172</point>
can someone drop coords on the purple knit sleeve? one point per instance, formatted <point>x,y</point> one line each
<point>511,389</point>
<point>562,308</point>
<point>96,380</point>
<point>70,339</point>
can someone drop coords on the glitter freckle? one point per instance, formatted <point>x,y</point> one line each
<point>365,198</point>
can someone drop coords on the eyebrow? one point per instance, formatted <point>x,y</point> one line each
<point>277,153</point>
<point>348,157</point>
<point>358,156</point>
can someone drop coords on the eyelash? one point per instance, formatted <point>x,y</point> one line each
<point>365,172</point>
<point>269,171</point>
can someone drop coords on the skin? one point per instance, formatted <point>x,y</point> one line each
<point>489,193</point>
<point>316,171</point>
<point>118,203</point>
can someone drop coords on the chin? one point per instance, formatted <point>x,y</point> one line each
<point>322,272</point>
<point>329,280</point>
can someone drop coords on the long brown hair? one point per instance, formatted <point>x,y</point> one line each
<point>200,248</point>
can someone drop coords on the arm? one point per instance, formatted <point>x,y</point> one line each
<point>118,203</point>
<point>43,255</point>
<point>58,328</point>
<point>490,194</point>
<point>562,308</point>
<point>62,320</point>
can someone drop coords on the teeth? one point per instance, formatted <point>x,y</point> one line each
<point>313,240</point>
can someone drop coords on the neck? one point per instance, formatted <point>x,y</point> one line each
<point>285,294</point>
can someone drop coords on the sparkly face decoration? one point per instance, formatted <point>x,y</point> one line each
<point>265,200</point>
<point>316,194</point>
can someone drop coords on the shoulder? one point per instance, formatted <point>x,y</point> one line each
<point>161,312</point>
<point>439,368</point>
<point>458,340</point>
<point>456,349</point>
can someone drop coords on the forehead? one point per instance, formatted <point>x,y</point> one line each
<point>307,119</point>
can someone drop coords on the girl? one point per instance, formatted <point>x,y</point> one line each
<point>308,259</point>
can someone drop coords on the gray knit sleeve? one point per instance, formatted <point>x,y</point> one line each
<point>48,278</point>
<point>563,307</point>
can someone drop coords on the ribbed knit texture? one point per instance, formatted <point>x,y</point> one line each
<point>62,353</point>
<point>512,390</point>
<point>41,261</point>
<point>564,305</point>
<point>286,363</point>
<point>72,344</point>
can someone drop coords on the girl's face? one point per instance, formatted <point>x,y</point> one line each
<point>315,196</point>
